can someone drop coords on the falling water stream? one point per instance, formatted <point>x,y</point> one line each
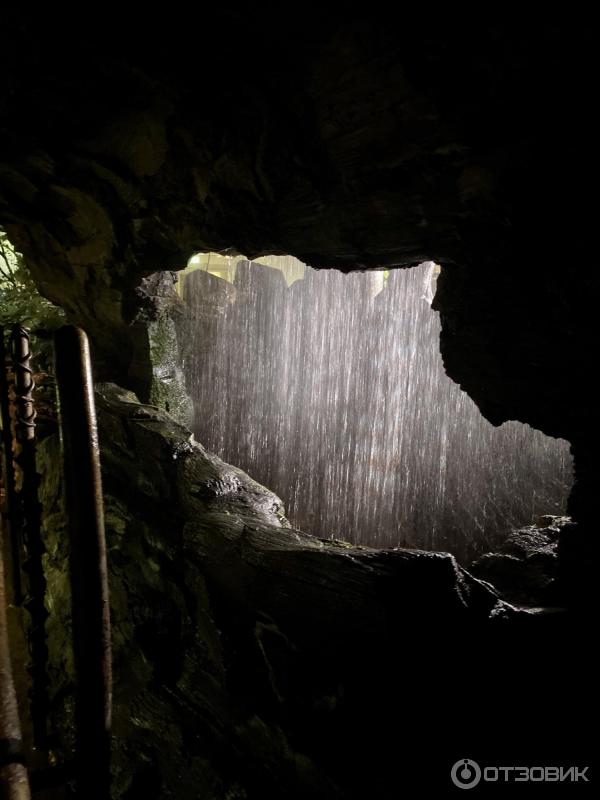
<point>331,391</point>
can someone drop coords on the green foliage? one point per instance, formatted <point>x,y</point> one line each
<point>20,300</point>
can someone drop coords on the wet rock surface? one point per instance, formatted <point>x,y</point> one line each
<point>252,660</point>
<point>525,569</point>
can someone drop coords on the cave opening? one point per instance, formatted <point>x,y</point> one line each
<point>329,388</point>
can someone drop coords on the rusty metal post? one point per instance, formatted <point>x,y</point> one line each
<point>14,784</point>
<point>24,384</point>
<point>10,512</point>
<point>89,578</point>
<point>30,518</point>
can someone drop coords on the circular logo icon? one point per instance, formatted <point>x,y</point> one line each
<point>465,773</point>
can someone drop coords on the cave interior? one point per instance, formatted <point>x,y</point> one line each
<point>252,658</point>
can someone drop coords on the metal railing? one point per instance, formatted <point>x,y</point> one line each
<point>23,544</point>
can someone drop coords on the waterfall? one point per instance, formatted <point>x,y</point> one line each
<point>331,391</point>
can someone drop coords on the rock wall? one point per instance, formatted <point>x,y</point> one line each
<point>254,661</point>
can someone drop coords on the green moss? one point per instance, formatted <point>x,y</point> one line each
<point>167,390</point>
<point>20,300</point>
